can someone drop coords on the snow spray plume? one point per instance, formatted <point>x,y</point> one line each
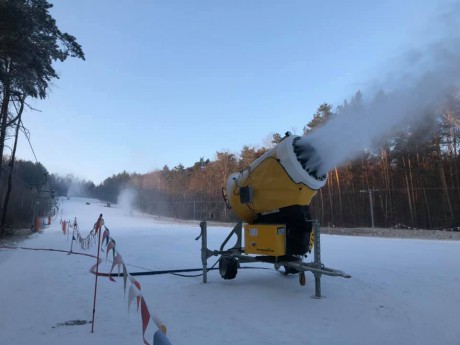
<point>424,83</point>
<point>126,199</point>
<point>76,188</point>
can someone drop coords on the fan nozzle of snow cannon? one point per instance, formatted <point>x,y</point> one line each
<point>275,180</point>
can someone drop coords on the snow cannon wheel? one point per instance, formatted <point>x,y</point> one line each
<point>228,267</point>
<point>289,270</point>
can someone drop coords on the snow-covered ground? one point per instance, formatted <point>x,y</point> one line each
<point>401,291</point>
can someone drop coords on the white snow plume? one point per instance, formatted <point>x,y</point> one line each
<point>126,200</point>
<point>418,87</point>
<point>76,189</point>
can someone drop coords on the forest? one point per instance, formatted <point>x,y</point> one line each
<point>411,179</point>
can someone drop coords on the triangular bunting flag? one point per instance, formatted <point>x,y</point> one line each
<point>110,246</point>
<point>118,260</point>
<point>145,318</point>
<point>105,236</point>
<point>133,292</point>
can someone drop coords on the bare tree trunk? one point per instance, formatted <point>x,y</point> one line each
<point>455,163</point>
<point>386,176</point>
<point>414,205</point>
<point>445,191</point>
<point>6,86</point>
<point>322,205</point>
<point>340,194</point>
<point>331,196</point>
<point>427,208</point>
<point>409,197</point>
<point>4,122</point>
<point>10,175</point>
<point>442,177</point>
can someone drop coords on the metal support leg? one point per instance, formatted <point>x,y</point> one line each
<point>204,249</point>
<point>317,259</point>
<point>237,230</point>
<point>71,242</point>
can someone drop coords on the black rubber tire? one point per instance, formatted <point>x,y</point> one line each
<point>289,270</point>
<point>228,267</point>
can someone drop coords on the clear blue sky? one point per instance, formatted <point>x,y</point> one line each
<point>167,82</point>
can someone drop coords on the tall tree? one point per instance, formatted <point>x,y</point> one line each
<point>321,116</point>
<point>30,42</point>
<point>12,159</point>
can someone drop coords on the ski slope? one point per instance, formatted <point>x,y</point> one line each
<point>401,291</point>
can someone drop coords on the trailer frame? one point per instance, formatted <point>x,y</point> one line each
<point>316,267</point>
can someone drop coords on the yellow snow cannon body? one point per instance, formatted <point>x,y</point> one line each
<point>272,196</point>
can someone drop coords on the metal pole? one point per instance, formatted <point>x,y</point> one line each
<point>317,259</point>
<point>371,206</point>
<point>204,248</point>
<point>34,214</point>
<point>73,233</point>
<point>99,223</point>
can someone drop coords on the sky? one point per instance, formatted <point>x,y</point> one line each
<point>401,291</point>
<point>169,82</point>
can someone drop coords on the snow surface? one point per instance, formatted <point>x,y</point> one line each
<point>401,291</point>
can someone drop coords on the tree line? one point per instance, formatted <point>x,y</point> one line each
<point>411,179</point>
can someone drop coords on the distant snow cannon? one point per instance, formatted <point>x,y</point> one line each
<point>272,196</point>
<point>277,188</point>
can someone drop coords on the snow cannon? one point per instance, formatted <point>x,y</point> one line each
<point>276,189</point>
<point>272,197</point>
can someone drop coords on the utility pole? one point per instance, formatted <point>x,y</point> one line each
<point>371,203</point>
